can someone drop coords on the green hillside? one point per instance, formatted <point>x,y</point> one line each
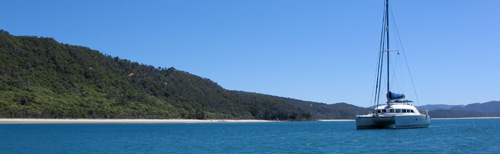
<point>41,78</point>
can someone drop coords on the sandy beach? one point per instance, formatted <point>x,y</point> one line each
<point>335,119</point>
<point>466,118</point>
<point>121,121</point>
<point>165,121</point>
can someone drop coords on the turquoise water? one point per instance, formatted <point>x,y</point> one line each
<point>443,136</point>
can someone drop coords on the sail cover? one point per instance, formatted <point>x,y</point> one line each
<point>394,96</point>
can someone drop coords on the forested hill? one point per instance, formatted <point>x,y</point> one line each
<point>41,78</point>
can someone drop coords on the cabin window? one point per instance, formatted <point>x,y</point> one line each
<point>391,110</point>
<point>383,110</point>
<point>404,110</point>
<point>412,111</point>
<point>378,111</point>
<point>398,110</point>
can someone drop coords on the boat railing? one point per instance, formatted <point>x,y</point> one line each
<point>426,112</point>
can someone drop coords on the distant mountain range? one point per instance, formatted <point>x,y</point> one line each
<point>488,109</point>
<point>435,107</point>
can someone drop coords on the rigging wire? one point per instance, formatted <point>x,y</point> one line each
<point>404,55</point>
<point>398,85</point>
<point>381,58</point>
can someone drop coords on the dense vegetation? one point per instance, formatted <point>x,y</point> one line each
<point>41,78</point>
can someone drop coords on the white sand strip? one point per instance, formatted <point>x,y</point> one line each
<point>466,118</point>
<point>335,119</point>
<point>119,121</point>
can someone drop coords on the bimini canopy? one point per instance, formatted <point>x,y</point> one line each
<point>394,96</point>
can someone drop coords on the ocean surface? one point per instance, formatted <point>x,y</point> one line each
<point>443,136</point>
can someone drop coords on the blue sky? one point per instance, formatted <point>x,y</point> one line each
<point>322,50</point>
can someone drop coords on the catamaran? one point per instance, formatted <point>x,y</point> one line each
<point>397,112</point>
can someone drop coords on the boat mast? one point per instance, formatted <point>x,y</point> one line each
<point>387,47</point>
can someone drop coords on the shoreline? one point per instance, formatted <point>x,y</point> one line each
<point>141,121</point>
<point>168,121</point>
<point>123,121</point>
<point>327,120</point>
<point>465,118</point>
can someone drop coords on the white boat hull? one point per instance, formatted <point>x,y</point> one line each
<point>392,121</point>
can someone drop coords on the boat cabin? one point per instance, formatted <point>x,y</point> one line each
<point>397,109</point>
